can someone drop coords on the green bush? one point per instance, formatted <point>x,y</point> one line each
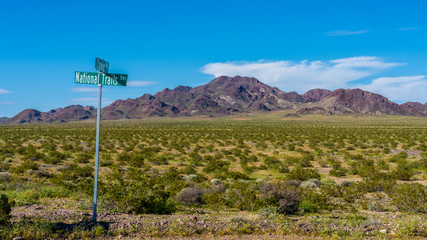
<point>375,181</point>
<point>27,165</point>
<point>307,206</point>
<point>302,174</point>
<point>397,157</point>
<point>337,169</point>
<point>216,166</point>
<point>242,196</point>
<point>137,191</point>
<point>83,157</point>
<point>215,200</point>
<point>5,209</point>
<point>410,197</point>
<point>403,170</point>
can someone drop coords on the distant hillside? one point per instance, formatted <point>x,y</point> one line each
<point>231,94</point>
<point>3,119</point>
<point>69,113</point>
<point>343,101</point>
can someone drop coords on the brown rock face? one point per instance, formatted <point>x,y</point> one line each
<point>137,108</point>
<point>69,113</point>
<point>27,116</point>
<point>342,101</point>
<point>223,95</point>
<point>415,106</point>
<point>316,95</point>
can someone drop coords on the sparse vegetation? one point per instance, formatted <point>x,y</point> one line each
<point>273,168</point>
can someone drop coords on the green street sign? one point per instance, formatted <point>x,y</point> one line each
<point>101,65</point>
<point>110,79</point>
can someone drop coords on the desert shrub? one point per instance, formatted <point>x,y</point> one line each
<point>5,177</point>
<point>348,193</point>
<point>326,182</point>
<point>314,201</point>
<point>397,157</point>
<point>302,174</point>
<point>216,181</point>
<point>189,170</point>
<point>362,167</point>
<point>386,150</point>
<point>191,196</point>
<point>311,183</point>
<point>57,155</point>
<point>42,174</point>
<point>75,177</point>
<point>234,175</point>
<point>67,147</point>
<point>27,165</point>
<point>172,181</point>
<point>157,160</point>
<point>281,195</point>
<point>216,166</point>
<point>403,170</point>
<point>241,195</point>
<point>195,158</point>
<point>195,178</point>
<point>352,192</point>
<point>123,157</point>
<point>271,161</point>
<point>307,206</point>
<point>306,159</point>
<point>215,199</point>
<point>268,212</point>
<point>32,154</point>
<point>323,163</point>
<point>383,165</point>
<point>410,197</point>
<point>137,191</point>
<point>420,164</point>
<point>137,160</point>
<point>375,181</point>
<point>83,157</point>
<point>337,169</point>
<point>5,209</point>
<point>4,166</point>
<point>52,161</point>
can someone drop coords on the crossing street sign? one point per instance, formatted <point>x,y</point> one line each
<point>101,65</point>
<point>110,79</point>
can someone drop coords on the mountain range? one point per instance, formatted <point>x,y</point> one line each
<point>225,95</point>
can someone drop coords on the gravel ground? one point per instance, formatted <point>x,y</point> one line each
<point>197,224</point>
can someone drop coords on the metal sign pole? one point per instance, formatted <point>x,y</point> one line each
<point>98,124</point>
<point>100,78</point>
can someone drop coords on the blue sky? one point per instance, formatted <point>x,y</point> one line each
<point>379,46</point>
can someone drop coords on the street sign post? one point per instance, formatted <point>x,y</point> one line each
<point>101,65</point>
<point>99,78</point>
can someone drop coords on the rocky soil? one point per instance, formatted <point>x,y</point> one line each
<point>197,224</point>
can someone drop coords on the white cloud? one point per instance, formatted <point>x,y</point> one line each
<point>399,89</point>
<point>139,83</point>
<point>6,103</point>
<point>3,91</point>
<point>85,89</point>
<point>304,75</point>
<point>346,33</point>
<point>408,29</point>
